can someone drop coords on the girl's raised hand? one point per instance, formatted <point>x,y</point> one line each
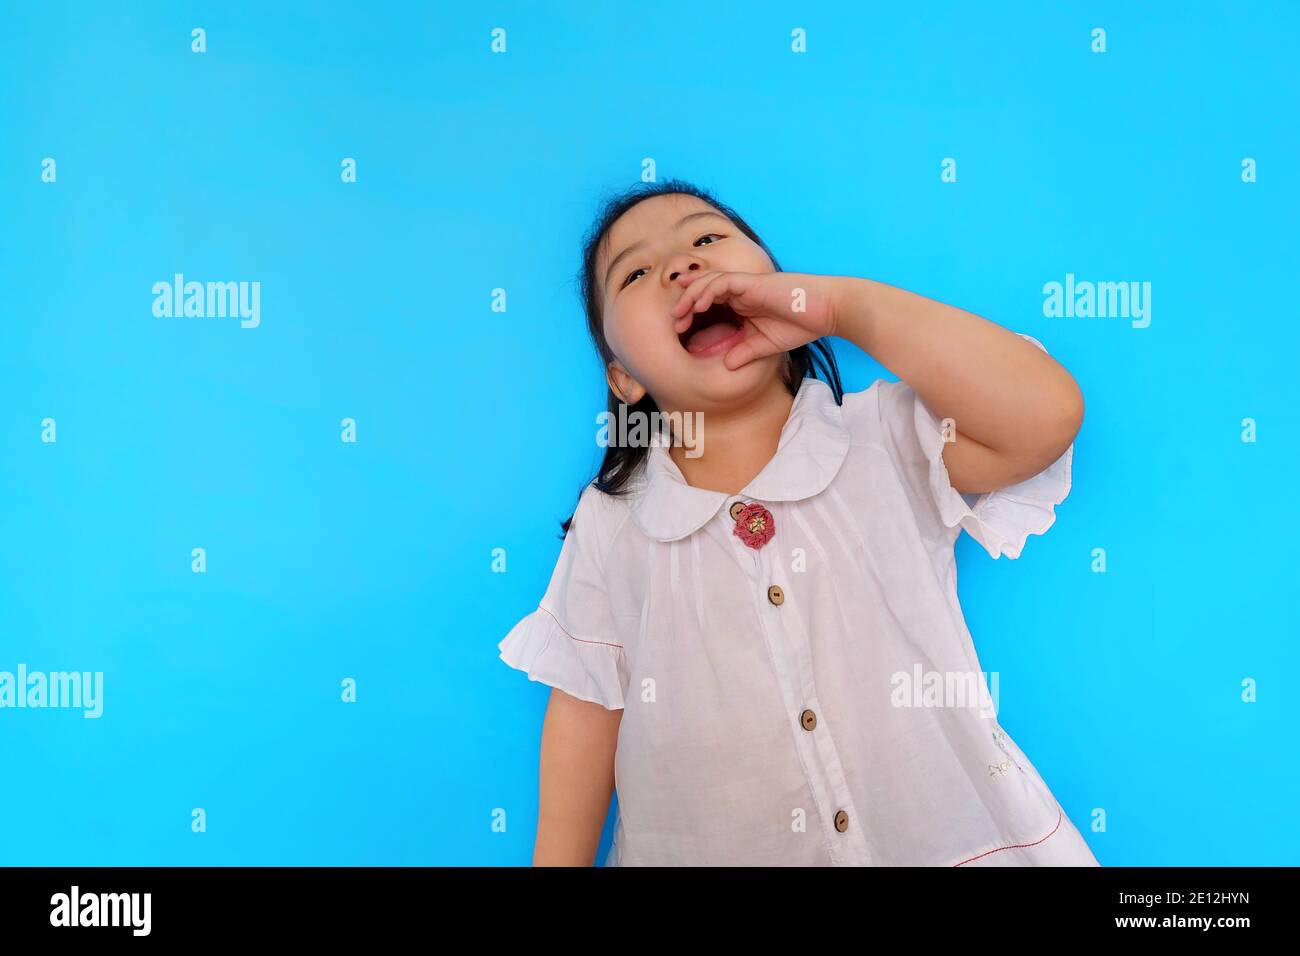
<point>784,309</point>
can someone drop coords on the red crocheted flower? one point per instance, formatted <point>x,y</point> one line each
<point>754,525</point>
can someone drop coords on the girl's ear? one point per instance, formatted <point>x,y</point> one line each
<point>622,384</point>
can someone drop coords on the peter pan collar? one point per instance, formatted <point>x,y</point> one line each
<point>813,445</point>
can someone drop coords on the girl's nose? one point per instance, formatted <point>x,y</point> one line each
<point>672,276</point>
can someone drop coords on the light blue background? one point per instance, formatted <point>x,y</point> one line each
<point>476,429</point>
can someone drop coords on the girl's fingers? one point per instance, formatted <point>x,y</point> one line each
<point>698,285</point>
<point>697,298</point>
<point>691,297</point>
<point>694,286</point>
<point>719,285</point>
<point>722,288</point>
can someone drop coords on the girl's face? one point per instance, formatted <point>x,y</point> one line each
<point>646,250</point>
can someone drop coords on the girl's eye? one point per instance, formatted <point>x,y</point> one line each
<point>628,280</point>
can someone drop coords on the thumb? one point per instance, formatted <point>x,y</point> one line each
<point>755,346</point>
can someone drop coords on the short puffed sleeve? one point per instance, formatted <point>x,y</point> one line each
<point>1000,520</point>
<point>570,641</point>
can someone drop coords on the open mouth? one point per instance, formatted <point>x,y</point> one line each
<point>711,328</point>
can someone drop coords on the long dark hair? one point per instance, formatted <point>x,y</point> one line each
<point>621,462</point>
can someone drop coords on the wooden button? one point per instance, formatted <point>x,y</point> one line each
<point>841,821</point>
<point>808,719</point>
<point>735,509</point>
<point>776,595</point>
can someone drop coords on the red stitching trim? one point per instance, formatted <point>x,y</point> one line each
<point>1016,845</point>
<point>571,637</point>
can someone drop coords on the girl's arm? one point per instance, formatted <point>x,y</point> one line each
<point>1015,408</point>
<point>576,779</point>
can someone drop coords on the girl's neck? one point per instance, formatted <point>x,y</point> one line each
<point>737,443</point>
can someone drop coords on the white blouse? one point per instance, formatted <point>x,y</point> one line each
<point>817,700</point>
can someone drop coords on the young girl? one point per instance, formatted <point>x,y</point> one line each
<point>755,637</point>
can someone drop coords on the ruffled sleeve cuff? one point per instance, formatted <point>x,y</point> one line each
<point>589,670</point>
<point>999,520</point>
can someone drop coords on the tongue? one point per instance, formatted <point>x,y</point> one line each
<point>709,335</point>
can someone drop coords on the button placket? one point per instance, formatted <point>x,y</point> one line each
<point>848,843</point>
<point>792,654</point>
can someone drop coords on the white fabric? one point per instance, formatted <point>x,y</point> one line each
<point>657,608</point>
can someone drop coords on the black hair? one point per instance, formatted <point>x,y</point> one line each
<point>621,462</point>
